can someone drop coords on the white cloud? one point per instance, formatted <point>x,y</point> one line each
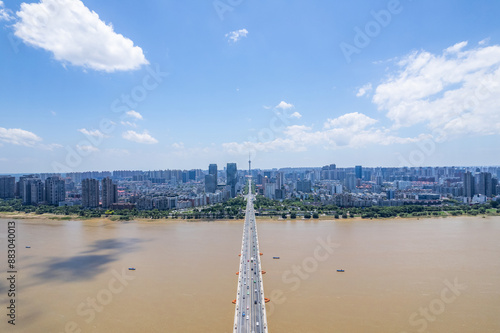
<point>266,107</point>
<point>364,89</point>
<point>284,105</point>
<point>178,145</point>
<point>95,133</point>
<point>354,121</point>
<point>456,48</point>
<point>484,41</point>
<point>76,35</point>
<point>5,14</point>
<point>134,114</point>
<point>53,113</point>
<point>143,137</point>
<point>456,93</point>
<point>351,130</point>
<point>236,35</point>
<point>87,148</point>
<point>128,123</point>
<point>19,137</point>
<point>50,146</point>
<point>296,115</point>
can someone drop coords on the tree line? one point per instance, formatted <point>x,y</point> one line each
<point>235,209</point>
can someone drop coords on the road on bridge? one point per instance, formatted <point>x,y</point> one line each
<point>250,312</point>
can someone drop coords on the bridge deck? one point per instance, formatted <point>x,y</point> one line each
<point>250,312</point>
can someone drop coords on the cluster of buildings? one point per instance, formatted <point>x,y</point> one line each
<point>183,189</point>
<point>361,186</point>
<point>144,190</point>
<point>33,190</point>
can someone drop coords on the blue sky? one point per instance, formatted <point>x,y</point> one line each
<point>293,83</point>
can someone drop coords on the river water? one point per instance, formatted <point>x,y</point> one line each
<point>428,275</point>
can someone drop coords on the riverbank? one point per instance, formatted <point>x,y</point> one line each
<point>116,218</point>
<point>110,218</point>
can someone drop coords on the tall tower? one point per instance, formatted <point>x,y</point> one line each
<point>90,193</point>
<point>109,192</point>
<point>468,180</point>
<point>55,190</point>
<point>7,187</point>
<point>249,165</point>
<point>211,179</point>
<point>232,177</point>
<point>358,170</point>
<point>212,170</point>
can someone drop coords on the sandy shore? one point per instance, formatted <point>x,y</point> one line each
<point>110,218</point>
<point>114,218</point>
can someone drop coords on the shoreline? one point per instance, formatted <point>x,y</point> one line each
<point>115,218</point>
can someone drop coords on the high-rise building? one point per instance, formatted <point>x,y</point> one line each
<point>468,180</point>
<point>484,184</point>
<point>7,187</point>
<point>280,179</point>
<point>33,191</point>
<point>212,170</point>
<point>211,179</point>
<point>358,170</point>
<point>304,186</point>
<point>270,190</point>
<point>90,193</point>
<point>55,190</point>
<point>232,178</point>
<point>210,183</point>
<point>350,181</point>
<point>279,194</point>
<point>20,186</point>
<point>109,192</point>
<point>494,185</point>
<point>37,192</point>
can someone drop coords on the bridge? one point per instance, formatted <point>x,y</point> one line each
<point>250,312</point>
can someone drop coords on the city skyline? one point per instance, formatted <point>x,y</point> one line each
<point>357,186</point>
<point>276,168</point>
<point>376,83</point>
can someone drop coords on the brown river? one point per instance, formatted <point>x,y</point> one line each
<point>431,275</point>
